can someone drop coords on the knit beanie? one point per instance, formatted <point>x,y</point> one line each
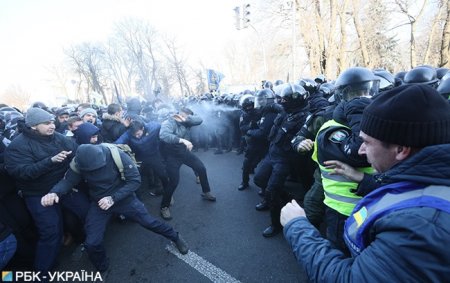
<point>88,110</point>
<point>37,116</point>
<point>409,115</point>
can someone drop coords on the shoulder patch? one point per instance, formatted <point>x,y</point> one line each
<point>338,136</point>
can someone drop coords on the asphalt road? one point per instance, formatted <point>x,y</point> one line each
<point>224,237</point>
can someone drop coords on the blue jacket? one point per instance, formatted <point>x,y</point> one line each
<point>145,147</point>
<point>409,245</point>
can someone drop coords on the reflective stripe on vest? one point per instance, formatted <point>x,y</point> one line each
<point>387,199</point>
<point>338,189</point>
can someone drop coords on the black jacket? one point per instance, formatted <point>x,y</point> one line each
<point>111,128</point>
<point>28,161</point>
<point>105,181</point>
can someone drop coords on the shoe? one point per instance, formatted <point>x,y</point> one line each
<point>104,274</point>
<point>197,180</point>
<point>155,193</point>
<point>271,231</point>
<point>181,245</point>
<point>263,205</point>
<point>208,196</point>
<point>218,152</point>
<point>165,213</point>
<point>243,186</point>
<point>77,254</point>
<point>239,152</point>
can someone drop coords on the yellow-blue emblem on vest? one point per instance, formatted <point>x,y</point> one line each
<point>360,216</point>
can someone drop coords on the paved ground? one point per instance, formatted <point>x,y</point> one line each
<point>224,237</point>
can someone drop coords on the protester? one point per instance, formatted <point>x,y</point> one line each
<point>109,194</point>
<point>37,159</point>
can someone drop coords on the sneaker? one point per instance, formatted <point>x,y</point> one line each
<point>165,213</point>
<point>77,254</point>
<point>243,186</point>
<point>208,196</point>
<point>181,245</point>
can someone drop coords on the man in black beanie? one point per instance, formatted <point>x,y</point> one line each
<point>400,230</point>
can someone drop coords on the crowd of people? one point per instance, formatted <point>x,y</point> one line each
<point>370,148</point>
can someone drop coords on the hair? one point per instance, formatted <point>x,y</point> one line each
<point>113,108</point>
<point>73,119</point>
<point>135,126</point>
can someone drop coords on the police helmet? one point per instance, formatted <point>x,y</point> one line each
<point>320,79</point>
<point>268,84</point>
<point>354,82</point>
<point>309,85</point>
<point>421,75</point>
<point>247,102</point>
<point>386,79</point>
<point>327,89</point>
<point>441,72</point>
<point>444,88</point>
<point>264,97</point>
<point>278,82</point>
<point>293,95</point>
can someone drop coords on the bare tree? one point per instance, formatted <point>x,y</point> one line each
<point>404,6</point>
<point>88,61</point>
<point>177,65</point>
<point>16,96</point>
<point>445,43</point>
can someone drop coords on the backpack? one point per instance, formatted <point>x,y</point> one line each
<point>114,149</point>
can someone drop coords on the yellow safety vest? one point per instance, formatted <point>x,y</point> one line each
<point>337,188</point>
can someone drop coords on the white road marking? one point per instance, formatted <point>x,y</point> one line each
<point>206,268</point>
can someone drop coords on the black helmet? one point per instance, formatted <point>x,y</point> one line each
<point>320,79</point>
<point>440,72</point>
<point>247,102</point>
<point>264,97</point>
<point>354,82</point>
<point>421,75</point>
<point>293,95</point>
<point>309,85</point>
<point>278,82</point>
<point>446,76</point>
<point>268,84</point>
<point>387,80</point>
<point>327,89</point>
<point>41,105</point>
<point>444,88</point>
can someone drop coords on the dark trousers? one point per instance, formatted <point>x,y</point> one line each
<point>251,159</point>
<point>48,221</point>
<point>158,167</point>
<point>335,229</point>
<point>131,208</point>
<point>173,164</point>
<point>313,201</point>
<point>271,176</point>
<point>8,247</point>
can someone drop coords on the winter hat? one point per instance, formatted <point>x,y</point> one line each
<point>37,116</point>
<point>88,110</point>
<point>84,132</point>
<point>409,115</point>
<point>90,157</point>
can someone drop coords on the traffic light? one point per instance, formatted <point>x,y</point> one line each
<point>237,16</point>
<point>245,15</point>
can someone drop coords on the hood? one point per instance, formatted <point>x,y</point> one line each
<point>107,116</point>
<point>91,157</point>
<point>84,133</point>
<point>429,166</point>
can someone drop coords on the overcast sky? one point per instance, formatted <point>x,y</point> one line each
<point>34,32</point>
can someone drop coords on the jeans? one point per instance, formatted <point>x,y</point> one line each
<point>173,169</point>
<point>132,209</point>
<point>7,249</point>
